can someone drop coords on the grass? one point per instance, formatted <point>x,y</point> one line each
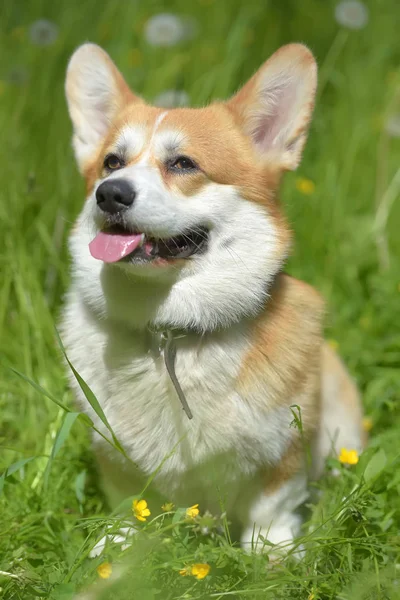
<point>347,245</point>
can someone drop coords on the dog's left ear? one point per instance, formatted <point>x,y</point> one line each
<point>275,106</point>
<point>96,93</point>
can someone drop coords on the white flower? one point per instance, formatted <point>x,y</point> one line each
<point>392,125</point>
<point>171,99</point>
<point>43,32</point>
<point>166,29</point>
<point>352,14</point>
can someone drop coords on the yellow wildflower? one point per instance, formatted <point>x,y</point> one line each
<point>305,186</point>
<point>104,570</point>
<point>192,511</point>
<point>367,423</point>
<point>168,506</point>
<point>140,510</point>
<point>348,457</point>
<point>200,570</point>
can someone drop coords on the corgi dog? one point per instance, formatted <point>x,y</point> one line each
<point>207,359</point>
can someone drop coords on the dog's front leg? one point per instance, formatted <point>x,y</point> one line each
<point>272,513</point>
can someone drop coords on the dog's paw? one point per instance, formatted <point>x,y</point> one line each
<point>276,540</point>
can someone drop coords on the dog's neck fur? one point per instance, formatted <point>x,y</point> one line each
<point>141,304</point>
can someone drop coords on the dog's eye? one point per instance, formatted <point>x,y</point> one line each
<point>113,162</point>
<point>183,163</point>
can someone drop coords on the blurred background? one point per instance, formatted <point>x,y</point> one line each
<point>342,203</point>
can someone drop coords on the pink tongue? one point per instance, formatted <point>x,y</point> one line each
<point>111,247</point>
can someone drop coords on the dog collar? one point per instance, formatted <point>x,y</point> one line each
<point>164,339</point>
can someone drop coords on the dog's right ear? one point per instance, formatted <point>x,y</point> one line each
<point>96,92</point>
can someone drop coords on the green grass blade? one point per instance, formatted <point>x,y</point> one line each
<point>40,389</point>
<point>13,468</point>
<point>62,435</point>
<point>90,396</point>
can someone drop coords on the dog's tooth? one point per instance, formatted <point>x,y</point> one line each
<point>142,238</point>
<point>148,248</point>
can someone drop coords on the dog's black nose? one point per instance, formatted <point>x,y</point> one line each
<point>115,195</point>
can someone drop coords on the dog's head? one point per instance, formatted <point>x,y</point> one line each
<point>183,202</point>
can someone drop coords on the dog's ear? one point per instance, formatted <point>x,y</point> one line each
<point>96,92</point>
<point>275,106</point>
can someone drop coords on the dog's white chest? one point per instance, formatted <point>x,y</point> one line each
<point>131,382</point>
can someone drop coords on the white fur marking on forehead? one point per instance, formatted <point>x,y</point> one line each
<point>131,140</point>
<point>157,123</point>
<point>159,120</point>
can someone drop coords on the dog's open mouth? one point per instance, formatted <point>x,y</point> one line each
<point>117,243</point>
